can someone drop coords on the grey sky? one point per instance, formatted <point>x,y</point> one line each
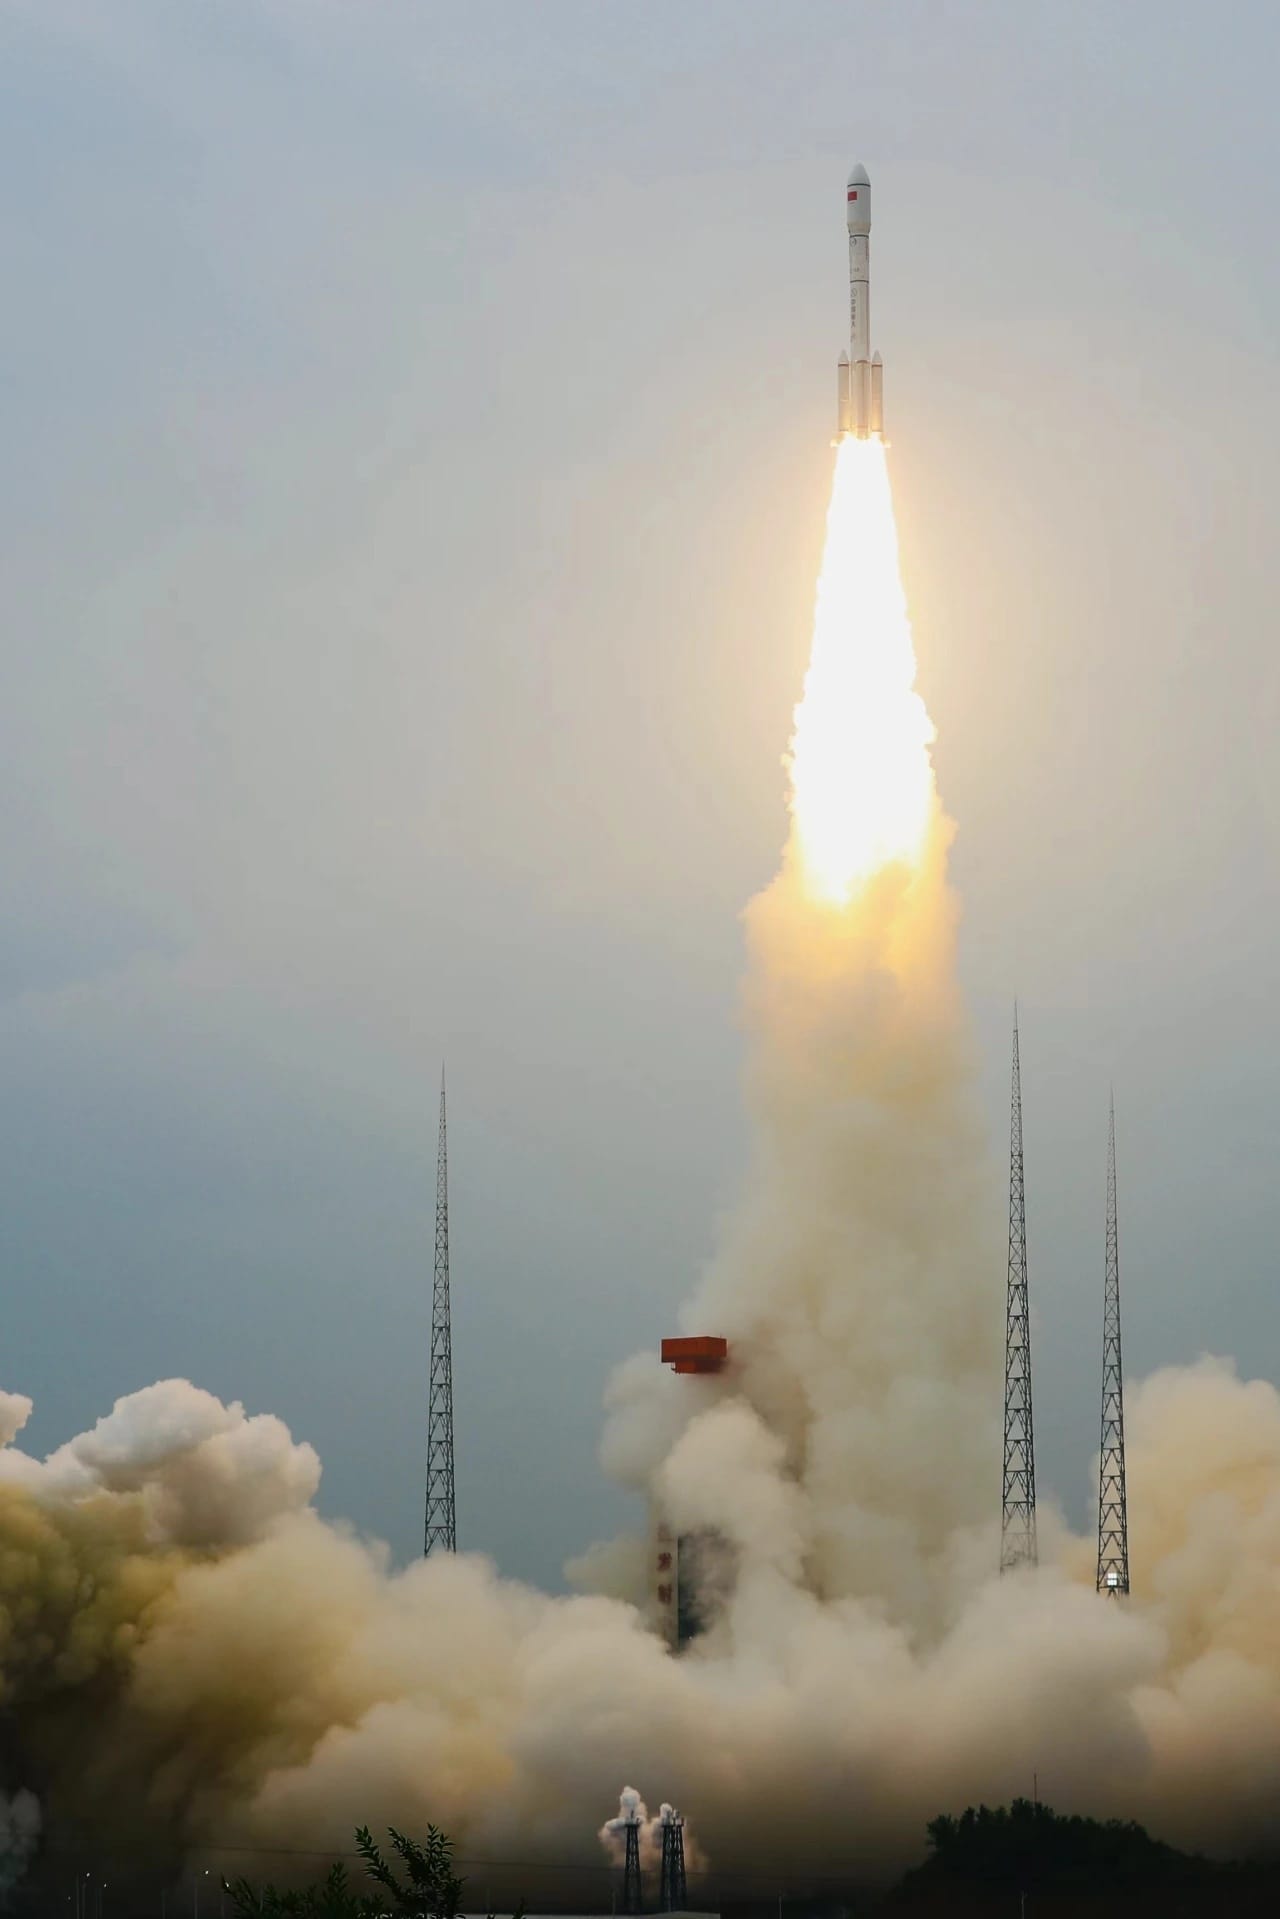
<point>413,476</point>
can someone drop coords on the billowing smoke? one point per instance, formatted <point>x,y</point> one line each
<point>274,1686</point>
<point>186,1650</point>
<point>851,1449</point>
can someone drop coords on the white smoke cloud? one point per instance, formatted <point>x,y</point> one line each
<point>632,1811</point>
<point>277,1685</point>
<point>200,1473</point>
<point>260,1677</point>
<point>727,1474</point>
<point>237,1671</point>
<point>15,1411</point>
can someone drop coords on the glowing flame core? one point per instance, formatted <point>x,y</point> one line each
<point>862,784</point>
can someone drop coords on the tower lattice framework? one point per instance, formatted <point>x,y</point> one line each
<point>1113,1505</point>
<point>1018,1508</point>
<point>441,1529</point>
<point>631,1890</point>
<point>675,1891</point>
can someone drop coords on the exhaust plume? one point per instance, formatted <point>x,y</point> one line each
<point>187,1650</point>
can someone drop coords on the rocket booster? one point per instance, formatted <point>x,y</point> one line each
<point>859,375</point>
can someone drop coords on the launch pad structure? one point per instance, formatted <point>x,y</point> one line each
<point>683,1567</point>
<point>679,1564</point>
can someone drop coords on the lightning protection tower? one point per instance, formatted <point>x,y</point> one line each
<point>1018,1508</point>
<point>675,1891</point>
<point>631,1901</point>
<point>440,1532</point>
<point>1113,1506</point>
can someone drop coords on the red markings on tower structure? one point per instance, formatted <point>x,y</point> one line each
<point>701,1354</point>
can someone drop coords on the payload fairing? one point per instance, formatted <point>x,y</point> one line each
<point>860,375</point>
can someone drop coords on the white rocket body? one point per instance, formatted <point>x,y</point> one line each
<point>860,374</point>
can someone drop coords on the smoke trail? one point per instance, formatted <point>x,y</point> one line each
<point>857,1280</point>
<point>187,1650</point>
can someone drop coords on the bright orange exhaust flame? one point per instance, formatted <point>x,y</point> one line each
<point>861,779</point>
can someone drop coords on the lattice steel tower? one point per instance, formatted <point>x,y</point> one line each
<point>1018,1509</point>
<point>675,1891</point>
<point>441,1531</point>
<point>632,1900</point>
<point>1113,1506</point>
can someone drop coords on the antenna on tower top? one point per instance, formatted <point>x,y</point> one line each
<point>440,1533</point>
<point>1113,1505</point>
<point>1018,1506</point>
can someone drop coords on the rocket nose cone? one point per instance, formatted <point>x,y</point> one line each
<point>859,177</point>
<point>876,360</point>
<point>843,360</point>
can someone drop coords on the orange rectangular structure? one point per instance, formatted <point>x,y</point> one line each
<point>701,1354</point>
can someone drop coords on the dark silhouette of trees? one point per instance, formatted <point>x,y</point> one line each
<point>1028,1845</point>
<point>1025,1857</point>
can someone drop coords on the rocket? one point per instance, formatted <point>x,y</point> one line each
<point>859,374</point>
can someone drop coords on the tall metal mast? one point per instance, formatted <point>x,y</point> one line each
<point>674,1893</point>
<point>1018,1509</point>
<point>441,1531</point>
<point>1113,1506</point>
<point>632,1895</point>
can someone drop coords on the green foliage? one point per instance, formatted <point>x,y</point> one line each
<point>433,1888</point>
<point>330,1898</point>
<point>422,1885</point>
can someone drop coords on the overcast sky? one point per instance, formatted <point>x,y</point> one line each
<point>413,471</point>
